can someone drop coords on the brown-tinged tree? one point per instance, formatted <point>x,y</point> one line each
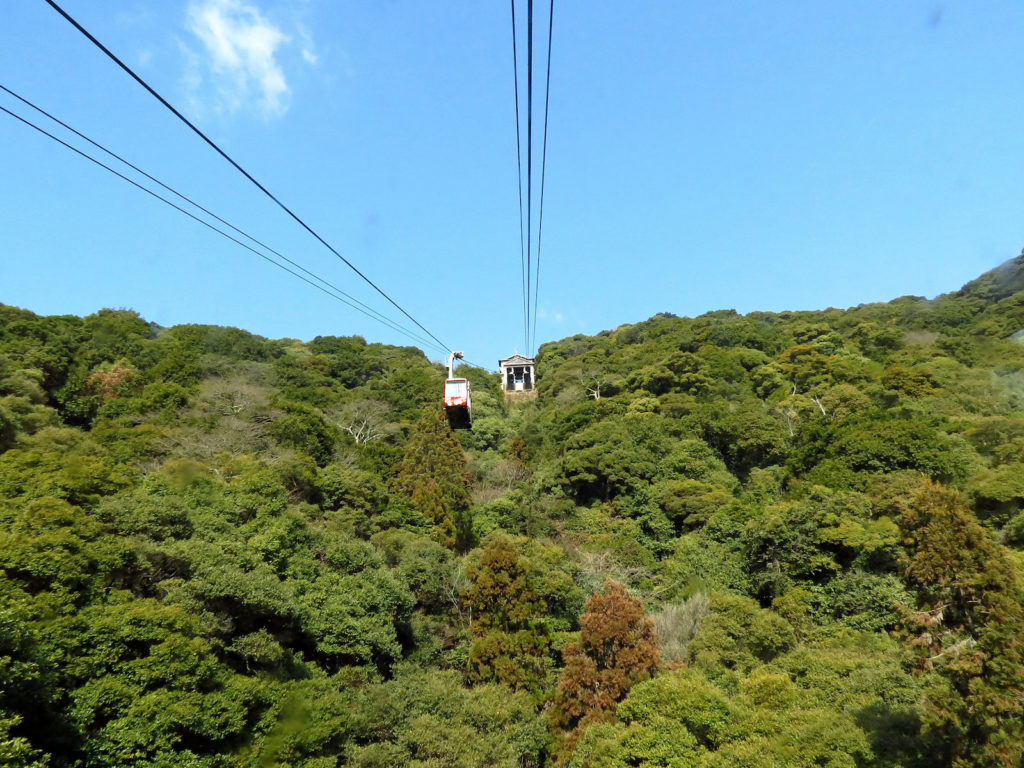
<point>617,648</point>
<point>432,473</point>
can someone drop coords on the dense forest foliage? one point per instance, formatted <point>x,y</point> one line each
<point>790,539</point>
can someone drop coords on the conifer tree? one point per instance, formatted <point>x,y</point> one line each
<point>617,648</point>
<point>432,473</point>
<point>498,593</point>
<point>969,628</point>
<point>511,642</point>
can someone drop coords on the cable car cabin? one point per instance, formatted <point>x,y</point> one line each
<point>457,401</point>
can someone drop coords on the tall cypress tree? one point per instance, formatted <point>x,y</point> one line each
<point>617,648</point>
<point>511,643</point>
<point>969,627</point>
<point>432,473</point>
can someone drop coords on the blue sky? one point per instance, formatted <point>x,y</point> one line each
<point>702,156</point>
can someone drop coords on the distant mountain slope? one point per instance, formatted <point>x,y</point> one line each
<point>997,284</point>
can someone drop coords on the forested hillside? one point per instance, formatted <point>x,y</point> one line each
<point>790,539</point>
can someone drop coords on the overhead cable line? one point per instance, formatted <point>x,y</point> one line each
<point>207,224</point>
<point>543,169</point>
<point>531,290</point>
<point>519,169</point>
<point>529,157</point>
<point>190,201</point>
<point>238,167</point>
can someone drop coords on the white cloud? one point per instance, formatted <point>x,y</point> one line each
<point>547,314</point>
<point>308,48</point>
<point>242,62</point>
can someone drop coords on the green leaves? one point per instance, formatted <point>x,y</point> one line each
<point>685,698</point>
<point>434,721</point>
<point>305,429</point>
<point>354,618</point>
<point>613,457</point>
<point>737,634</point>
<point>61,463</point>
<point>684,719</point>
<point>55,548</point>
<point>15,751</point>
<point>433,476</point>
<point>219,550</point>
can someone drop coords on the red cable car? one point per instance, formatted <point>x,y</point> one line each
<point>457,402</point>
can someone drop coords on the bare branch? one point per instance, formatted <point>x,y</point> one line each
<point>817,402</point>
<point>365,420</point>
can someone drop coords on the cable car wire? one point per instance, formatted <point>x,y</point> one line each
<point>543,170</point>
<point>529,158</point>
<point>519,169</point>
<point>238,167</point>
<point>531,290</point>
<point>210,213</point>
<point>203,222</point>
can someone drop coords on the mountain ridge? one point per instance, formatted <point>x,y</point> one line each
<point>789,538</point>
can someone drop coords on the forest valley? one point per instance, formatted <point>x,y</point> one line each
<point>778,539</point>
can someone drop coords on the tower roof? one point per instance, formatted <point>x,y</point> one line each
<point>516,359</point>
